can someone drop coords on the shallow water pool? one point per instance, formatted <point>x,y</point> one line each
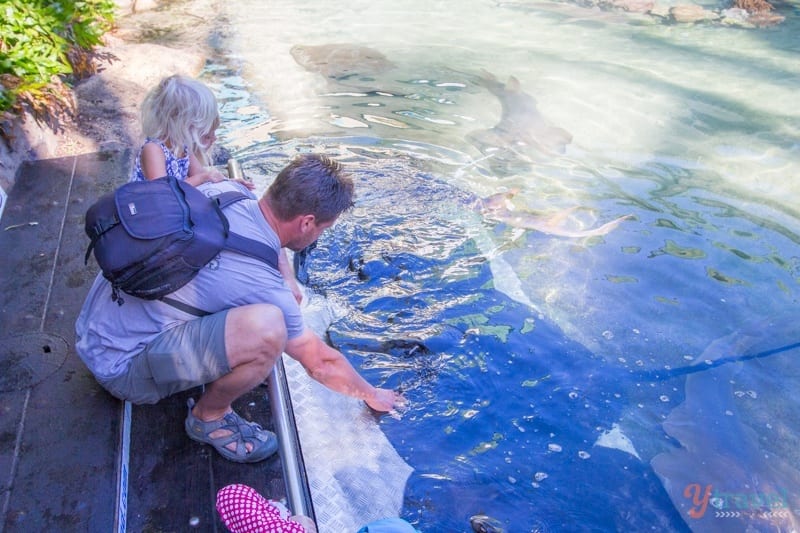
<point>559,378</point>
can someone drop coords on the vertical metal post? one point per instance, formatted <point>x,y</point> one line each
<point>235,170</point>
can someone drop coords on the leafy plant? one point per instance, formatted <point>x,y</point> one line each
<point>44,46</point>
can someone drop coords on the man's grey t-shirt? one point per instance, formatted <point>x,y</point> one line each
<point>109,335</point>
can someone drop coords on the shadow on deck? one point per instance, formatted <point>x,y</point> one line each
<point>61,461</point>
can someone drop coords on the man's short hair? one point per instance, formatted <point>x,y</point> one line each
<point>311,184</point>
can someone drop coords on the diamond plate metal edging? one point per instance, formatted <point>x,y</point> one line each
<point>354,473</point>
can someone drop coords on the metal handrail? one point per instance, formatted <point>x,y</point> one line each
<point>298,493</point>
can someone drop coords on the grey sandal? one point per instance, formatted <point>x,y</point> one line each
<point>264,442</point>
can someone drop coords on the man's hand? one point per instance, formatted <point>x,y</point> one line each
<point>330,367</point>
<point>386,400</point>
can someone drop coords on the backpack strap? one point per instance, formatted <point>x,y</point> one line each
<point>95,232</point>
<point>225,199</point>
<point>252,248</point>
<point>245,245</point>
<point>186,308</point>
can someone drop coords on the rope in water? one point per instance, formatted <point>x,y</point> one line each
<point>665,374</point>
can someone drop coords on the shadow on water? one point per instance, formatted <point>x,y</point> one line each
<point>506,409</point>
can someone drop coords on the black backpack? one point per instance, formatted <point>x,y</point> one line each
<point>151,238</point>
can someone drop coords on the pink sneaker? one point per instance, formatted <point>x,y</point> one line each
<point>243,510</point>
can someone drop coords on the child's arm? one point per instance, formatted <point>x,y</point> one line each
<point>154,164</point>
<point>199,174</point>
<point>285,268</point>
<point>202,177</point>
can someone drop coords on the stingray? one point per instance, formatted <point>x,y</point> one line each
<point>498,207</point>
<point>340,61</point>
<point>719,478</point>
<point>522,129</point>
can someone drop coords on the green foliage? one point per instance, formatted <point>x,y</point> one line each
<point>44,43</point>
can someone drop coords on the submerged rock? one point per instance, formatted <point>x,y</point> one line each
<point>634,6</point>
<point>691,13</point>
<point>763,19</point>
<point>734,16</point>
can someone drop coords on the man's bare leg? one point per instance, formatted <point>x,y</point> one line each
<point>255,336</point>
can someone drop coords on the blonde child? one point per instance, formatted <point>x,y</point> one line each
<point>179,121</point>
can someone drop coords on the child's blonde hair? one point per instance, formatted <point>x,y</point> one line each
<point>178,112</point>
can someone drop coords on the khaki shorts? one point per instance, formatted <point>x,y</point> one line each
<point>183,357</point>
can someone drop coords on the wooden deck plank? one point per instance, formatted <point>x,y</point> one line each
<point>65,470</point>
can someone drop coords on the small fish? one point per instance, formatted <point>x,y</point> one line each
<point>482,523</point>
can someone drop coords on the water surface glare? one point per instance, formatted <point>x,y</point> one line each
<point>559,380</point>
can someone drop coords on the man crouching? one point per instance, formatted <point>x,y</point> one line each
<point>146,350</point>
